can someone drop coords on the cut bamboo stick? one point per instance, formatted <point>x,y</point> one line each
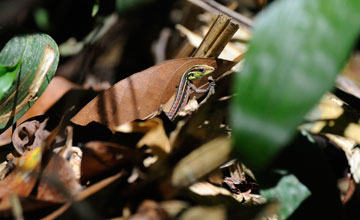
<point>214,7</point>
<point>219,34</point>
<point>222,40</point>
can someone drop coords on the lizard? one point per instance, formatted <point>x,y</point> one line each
<point>186,85</point>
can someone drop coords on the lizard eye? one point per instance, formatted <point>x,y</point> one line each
<point>201,70</point>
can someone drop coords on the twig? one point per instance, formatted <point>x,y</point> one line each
<point>16,208</point>
<point>214,7</point>
<point>217,37</point>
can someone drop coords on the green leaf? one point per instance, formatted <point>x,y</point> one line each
<point>41,18</point>
<point>298,48</point>
<point>7,76</point>
<point>289,192</point>
<point>95,8</point>
<point>125,5</point>
<point>39,55</point>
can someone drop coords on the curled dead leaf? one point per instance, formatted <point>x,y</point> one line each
<point>29,135</point>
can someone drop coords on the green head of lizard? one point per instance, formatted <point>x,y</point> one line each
<point>198,71</point>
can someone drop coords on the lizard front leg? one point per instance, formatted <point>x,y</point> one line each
<point>209,88</point>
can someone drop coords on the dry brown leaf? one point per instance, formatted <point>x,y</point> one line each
<point>156,138</point>
<point>347,85</point>
<point>201,162</point>
<point>101,157</point>
<point>18,183</point>
<point>352,152</point>
<point>208,189</point>
<point>71,153</point>
<point>139,95</point>
<point>150,210</point>
<point>330,116</point>
<point>352,68</point>
<point>203,212</point>
<point>22,180</point>
<point>58,182</point>
<point>330,107</point>
<point>154,134</point>
<point>28,204</point>
<point>85,193</point>
<point>174,207</point>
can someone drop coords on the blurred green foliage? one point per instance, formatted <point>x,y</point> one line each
<point>298,48</point>
<point>95,8</point>
<point>123,6</point>
<point>41,18</point>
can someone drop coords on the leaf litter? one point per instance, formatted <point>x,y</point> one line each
<point>124,157</point>
<point>125,154</point>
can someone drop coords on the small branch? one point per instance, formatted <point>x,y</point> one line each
<point>219,34</point>
<point>216,8</point>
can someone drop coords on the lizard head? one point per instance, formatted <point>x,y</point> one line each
<point>197,71</point>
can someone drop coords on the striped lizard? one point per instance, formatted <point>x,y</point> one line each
<point>186,85</point>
